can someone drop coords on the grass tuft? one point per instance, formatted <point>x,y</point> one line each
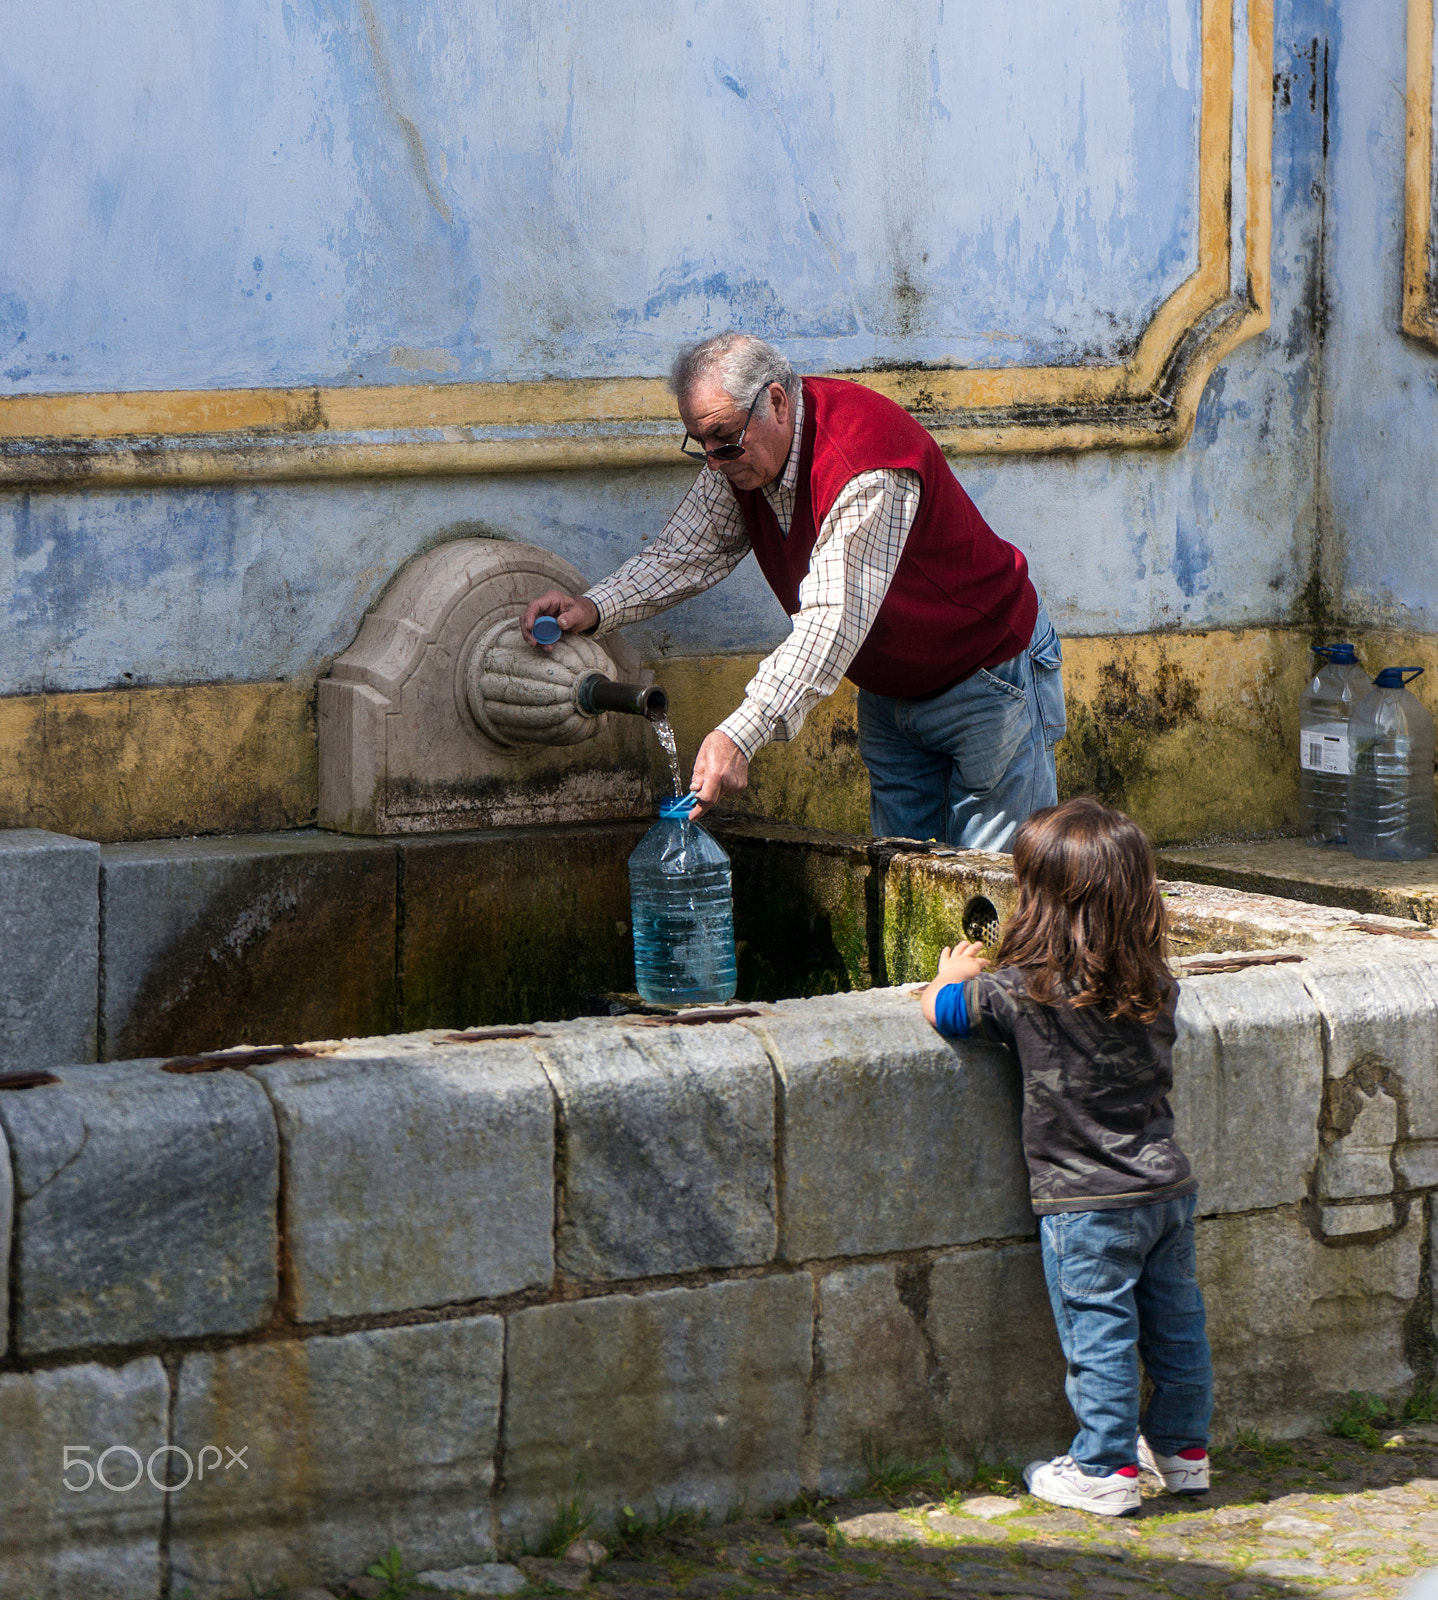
<point>573,1518</point>
<point>667,1521</point>
<point>995,1477</point>
<point>890,1476</point>
<point>893,1477</point>
<point>1358,1417</point>
<point>398,1580</point>
<point>1269,1452</point>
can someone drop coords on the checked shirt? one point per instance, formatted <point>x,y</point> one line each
<point>854,560</point>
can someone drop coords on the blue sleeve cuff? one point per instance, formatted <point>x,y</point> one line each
<point>951,1012</point>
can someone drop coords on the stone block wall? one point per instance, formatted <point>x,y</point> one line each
<point>420,1289</point>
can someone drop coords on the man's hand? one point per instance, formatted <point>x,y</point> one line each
<point>957,964</point>
<point>573,613</point>
<point>720,768</point>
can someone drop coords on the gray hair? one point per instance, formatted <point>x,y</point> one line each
<point>742,364</point>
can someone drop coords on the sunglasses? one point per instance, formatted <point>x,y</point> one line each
<point>725,452</point>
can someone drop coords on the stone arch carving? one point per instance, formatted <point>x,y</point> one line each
<point>401,747</point>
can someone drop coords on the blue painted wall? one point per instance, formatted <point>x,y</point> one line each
<point>201,195</point>
<point>1380,439</point>
<point>212,195</point>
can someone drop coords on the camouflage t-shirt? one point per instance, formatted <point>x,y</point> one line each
<point>1097,1128</point>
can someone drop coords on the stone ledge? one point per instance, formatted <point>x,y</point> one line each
<point>1294,1324</point>
<point>82,1540</point>
<point>668,1150</point>
<point>414,1177</point>
<point>1248,1085</point>
<point>147,1206</point>
<point>355,1443</point>
<point>49,939</point>
<point>1296,871</point>
<point>684,1398</point>
<point>894,1139</point>
<point>423,1174</point>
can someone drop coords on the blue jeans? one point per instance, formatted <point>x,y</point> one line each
<point>969,765</point>
<point>1122,1285</point>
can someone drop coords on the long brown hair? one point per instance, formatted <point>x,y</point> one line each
<point>1090,927</point>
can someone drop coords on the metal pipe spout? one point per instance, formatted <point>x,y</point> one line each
<point>597,693</point>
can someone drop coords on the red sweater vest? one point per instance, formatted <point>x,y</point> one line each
<point>960,598</point>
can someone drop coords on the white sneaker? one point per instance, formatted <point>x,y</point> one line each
<point>1063,1483</point>
<point>1185,1473</point>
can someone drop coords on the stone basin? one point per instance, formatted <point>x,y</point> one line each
<point>174,946</point>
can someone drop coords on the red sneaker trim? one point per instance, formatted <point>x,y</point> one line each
<point>1196,1453</point>
<point>1125,1472</point>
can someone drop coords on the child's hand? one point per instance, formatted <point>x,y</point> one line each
<point>957,964</point>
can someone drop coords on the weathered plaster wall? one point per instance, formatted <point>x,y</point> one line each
<point>351,156</point>
<point>1380,432</point>
<point>374,191</point>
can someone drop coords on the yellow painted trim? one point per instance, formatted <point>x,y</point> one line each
<point>1420,312</point>
<point>157,763</point>
<point>200,436</point>
<point>1193,733</point>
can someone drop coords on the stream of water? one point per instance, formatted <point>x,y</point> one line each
<point>665,735</point>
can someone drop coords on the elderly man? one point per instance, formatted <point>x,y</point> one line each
<point>892,579</point>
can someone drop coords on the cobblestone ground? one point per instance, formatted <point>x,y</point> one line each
<point>1315,1517</point>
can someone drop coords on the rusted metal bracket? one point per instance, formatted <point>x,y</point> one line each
<point>218,1060</point>
<point>1237,963</point>
<point>691,1019</point>
<point>485,1035</point>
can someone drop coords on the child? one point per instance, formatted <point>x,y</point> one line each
<point>1083,997</point>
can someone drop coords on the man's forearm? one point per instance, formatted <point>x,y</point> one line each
<point>649,583</point>
<point>860,545</point>
<point>701,544</point>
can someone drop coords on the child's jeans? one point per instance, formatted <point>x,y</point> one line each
<point>1122,1284</point>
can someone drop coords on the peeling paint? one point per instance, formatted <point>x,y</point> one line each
<point>412,136</point>
<point>423,360</point>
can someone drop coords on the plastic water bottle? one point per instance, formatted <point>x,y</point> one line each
<point>1323,763</point>
<point>682,908</point>
<point>1390,794</point>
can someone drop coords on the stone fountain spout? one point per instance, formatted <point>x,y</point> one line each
<point>520,696</point>
<point>441,716</point>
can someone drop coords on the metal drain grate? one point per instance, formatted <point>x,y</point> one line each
<point>981,920</point>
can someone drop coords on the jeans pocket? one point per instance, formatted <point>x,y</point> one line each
<point>1047,659</point>
<point>1094,1253</point>
<point>1185,1255</point>
<point>996,722</point>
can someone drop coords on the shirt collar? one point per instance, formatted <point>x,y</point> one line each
<point>790,478</point>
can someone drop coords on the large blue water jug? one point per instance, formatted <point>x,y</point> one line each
<point>682,909</point>
<point>1390,792</point>
<point>1323,712</point>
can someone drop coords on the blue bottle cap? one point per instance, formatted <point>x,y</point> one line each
<point>1340,654</point>
<point>678,806</point>
<point>1395,677</point>
<point>546,631</point>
